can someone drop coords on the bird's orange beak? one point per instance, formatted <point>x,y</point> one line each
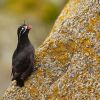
<point>29,27</point>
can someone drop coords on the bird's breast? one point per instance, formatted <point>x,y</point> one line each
<point>21,61</point>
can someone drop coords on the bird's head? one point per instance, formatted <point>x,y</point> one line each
<point>23,30</point>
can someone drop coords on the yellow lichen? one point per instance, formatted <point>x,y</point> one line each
<point>63,97</point>
<point>62,58</point>
<point>55,92</point>
<point>72,46</point>
<point>90,28</point>
<point>40,72</point>
<point>76,1</point>
<point>33,91</point>
<point>97,59</point>
<point>98,36</point>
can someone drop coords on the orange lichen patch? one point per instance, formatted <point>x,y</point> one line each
<point>55,92</point>
<point>49,74</point>
<point>92,23</point>
<point>63,97</point>
<point>59,53</point>
<point>62,32</point>
<point>33,91</point>
<point>59,49</point>
<point>38,76</point>
<point>86,47</point>
<point>94,20</point>
<point>88,51</point>
<point>49,97</point>
<point>62,58</point>
<point>40,72</point>
<point>76,1</point>
<point>90,89</point>
<point>98,36</point>
<point>86,42</point>
<point>40,81</point>
<point>90,29</point>
<point>97,59</point>
<point>41,55</point>
<point>97,95</point>
<point>72,46</point>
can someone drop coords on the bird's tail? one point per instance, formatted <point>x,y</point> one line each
<point>20,82</point>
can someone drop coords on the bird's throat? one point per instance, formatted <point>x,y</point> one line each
<point>23,41</point>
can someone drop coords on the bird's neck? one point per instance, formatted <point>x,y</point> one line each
<point>23,41</point>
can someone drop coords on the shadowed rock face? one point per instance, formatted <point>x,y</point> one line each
<point>68,61</point>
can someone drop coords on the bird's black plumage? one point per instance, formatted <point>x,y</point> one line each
<point>23,57</point>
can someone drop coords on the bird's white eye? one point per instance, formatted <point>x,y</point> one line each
<point>22,28</point>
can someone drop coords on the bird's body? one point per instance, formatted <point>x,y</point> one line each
<point>23,58</point>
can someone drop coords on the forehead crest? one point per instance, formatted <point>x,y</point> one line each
<point>22,29</point>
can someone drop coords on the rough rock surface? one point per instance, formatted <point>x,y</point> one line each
<point>68,61</point>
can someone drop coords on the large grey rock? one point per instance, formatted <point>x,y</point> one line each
<point>69,59</point>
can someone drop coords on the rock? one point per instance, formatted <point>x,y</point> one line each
<point>68,61</point>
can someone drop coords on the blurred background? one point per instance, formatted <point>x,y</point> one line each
<point>40,13</point>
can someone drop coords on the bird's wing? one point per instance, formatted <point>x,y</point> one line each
<point>12,73</point>
<point>30,68</point>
